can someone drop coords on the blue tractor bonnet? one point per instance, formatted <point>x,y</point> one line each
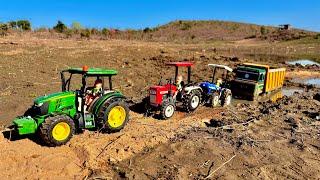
<point>209,87</point>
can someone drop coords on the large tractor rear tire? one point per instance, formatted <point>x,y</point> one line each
<point>167,110</point>
<point>57,130</point>
<point>215,99</point>
<point>192,100</point>
<point>226,98</point>
<point>115,115</point>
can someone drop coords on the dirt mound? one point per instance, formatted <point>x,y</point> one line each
<point>268,140</point>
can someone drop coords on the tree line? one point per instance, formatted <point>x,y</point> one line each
<point>74,29</point>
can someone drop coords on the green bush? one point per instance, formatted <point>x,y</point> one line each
<point>24,25</point>
<point>105,31</point>
<point>4,29</point>
<point>185,26</point>
<point>94,31</point>
<point>86,33</point>
<point>60,27</point>
<point>263,30</point>
<point>13,24</point>
<point>147,29</point>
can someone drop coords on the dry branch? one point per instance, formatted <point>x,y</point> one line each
<point>219,167</point>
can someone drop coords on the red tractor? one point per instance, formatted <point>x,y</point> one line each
<point>165,98</point>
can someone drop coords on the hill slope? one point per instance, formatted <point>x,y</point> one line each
<point>221,30</point>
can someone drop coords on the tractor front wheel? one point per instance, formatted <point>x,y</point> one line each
<point>167,110</point>
<point>192,101</point>
<point>226,98</point>
<point>57,130</point>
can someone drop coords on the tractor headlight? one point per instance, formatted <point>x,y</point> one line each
<point>38,105</point>
<point>41,108</point>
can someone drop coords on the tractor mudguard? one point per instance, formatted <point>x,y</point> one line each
<point>104,98</point>
<point>191,88</point>
<point>25,125</point>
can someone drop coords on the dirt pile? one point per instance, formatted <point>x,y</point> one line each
<point>270,140</point>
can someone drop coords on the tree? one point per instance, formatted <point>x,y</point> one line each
<point>263,30</point>
<point>24,25</point>
<point>13,24</point>
<point>76,26</point>
<point>60,27</point>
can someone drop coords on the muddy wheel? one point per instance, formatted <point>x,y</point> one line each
<point>192,101</point>
<point>114,115</point>
<point>215,100</point>
<point>57,130</point>
<point>226,98</point>
<point>167,110</point>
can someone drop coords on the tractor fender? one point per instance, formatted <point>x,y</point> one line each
<point>106,97</point>
<point>191,88</point>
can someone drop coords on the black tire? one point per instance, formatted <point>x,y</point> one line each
<point>167,110</point>
<point>225,101</point>
<point>215,97</point>
<point>103,117</point>
<point>46,130</point>
<point>189,100</point>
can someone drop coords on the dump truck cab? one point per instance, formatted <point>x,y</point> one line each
<point>58,115</point>
<point>252,80</point>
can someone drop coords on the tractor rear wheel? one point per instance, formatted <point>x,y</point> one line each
<point>115,115</point>
<point>215,99</point>
<point>167,110</point>
<point>192,100</point>
<point>57,130</point>
<point>226,98</point>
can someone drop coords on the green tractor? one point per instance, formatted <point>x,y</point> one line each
<point>56,117</point>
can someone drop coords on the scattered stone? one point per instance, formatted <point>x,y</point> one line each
<point>317,97</point>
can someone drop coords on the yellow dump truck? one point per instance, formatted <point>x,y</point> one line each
<point>252,80</point>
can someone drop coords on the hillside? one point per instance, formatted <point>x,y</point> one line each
<point>222,30</point>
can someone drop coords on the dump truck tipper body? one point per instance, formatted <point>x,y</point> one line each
<point>252,80</point>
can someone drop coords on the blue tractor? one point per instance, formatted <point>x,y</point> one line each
<point>217,91</point>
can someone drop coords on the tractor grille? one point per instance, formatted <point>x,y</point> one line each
<point>242,88</point>
<point>38,110</point>
<point>153,99</point>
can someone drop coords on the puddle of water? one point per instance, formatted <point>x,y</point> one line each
<point>273,96</point>
<point>308,81</point>
<point>290,91</point>
<point>303,62</point>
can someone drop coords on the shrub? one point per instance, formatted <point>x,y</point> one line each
<point>60,27</point>
<point>3,29</point>
<point>105,31</point>
<point>68,33</point>
<point>24,25</point>
<point>13,24</point>
<point>94,31</point>
<point>147,29</point>
<point>85,33</point>
<point>263,30</point>
<point>185,26</point>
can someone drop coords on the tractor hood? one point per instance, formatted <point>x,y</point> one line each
<point>53,96</point>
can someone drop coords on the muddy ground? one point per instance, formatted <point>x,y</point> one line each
<point>269,140</point>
